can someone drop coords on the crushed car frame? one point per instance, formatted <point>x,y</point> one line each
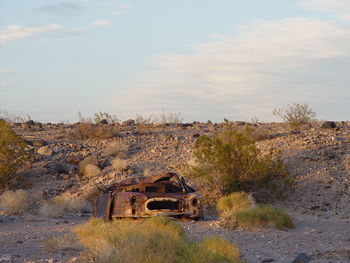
<point>166,195</point>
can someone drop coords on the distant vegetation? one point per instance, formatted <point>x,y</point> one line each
<point>296,115</point>
<point>12,153</point>
<point>153,240</point>
<point>11,117</point>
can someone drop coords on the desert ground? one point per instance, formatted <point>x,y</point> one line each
<point>317,158</point>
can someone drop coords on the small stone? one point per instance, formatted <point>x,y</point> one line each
<point>267,260</point>
<point>329,125</point>
<point>302,258</point>
<point>45,150</point>
<point>5,258</point>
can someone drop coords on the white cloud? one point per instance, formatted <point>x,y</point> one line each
<point>340,8</point>
<point>5,71</point>
<point>99,23</point>
<point>268,64</point>
<point>15,32</point>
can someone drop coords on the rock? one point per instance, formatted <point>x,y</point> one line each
<point>39,143</point>
<point>5,258</point>
<point>129,122</point>
<point>267,260</point>
<point>104,121</point>
<point>45,150</point>
<point>329,125</point>
<point>240,123</point>
<point>196,135</point>
<point>302,258</point>
<point>64,168</point>
<point>27,124</point>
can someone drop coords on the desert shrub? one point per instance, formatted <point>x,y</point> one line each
<point>235,202</point>
<point>116,148</point>
<point>230,161</point>
<point>170,117</point>
<point>263,216</point>
<point>110,118</point>
<point>144,120</point>
<point>91,171</point>
<point>83,131</point>
<point>12,153</point>
<point>296,114</point>
<point>120,165</point>
<point>156,239</point>
<point>88,164</point>
<point>65,242</point>
<point>64,204</point>
<point>18,202</point>
<point>11,117</point>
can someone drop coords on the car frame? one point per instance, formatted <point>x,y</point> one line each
<point>161,195</point>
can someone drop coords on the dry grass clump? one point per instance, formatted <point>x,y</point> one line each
<point>240,210</point>
<point>153,240</point>
<point>235,202</point>
<point>264,216</point>
<point>64,204</point>
<point>89,167</point>
<point>120,165</point>
<point>18,202</point>
<point>116,148</point>
<point>83,131</point>
<point>65,242</point>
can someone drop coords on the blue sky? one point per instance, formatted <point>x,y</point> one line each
<point>206,59</point>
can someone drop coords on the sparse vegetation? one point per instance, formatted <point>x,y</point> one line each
<point>264,216</point>
<point>170,117</point>
<point>296,115</point>
<point>12,153</point>
<point>156,239</point>
<point>235,202</point>
<point>5,115</point>
<point>65,242</point>
<point>87,163</point>
<point>116,148</point>
<point>230,161</point>
<point>239,210</point>
<point>120,165</point>
<point>110,118</point>
<point>83,131</point>
<point>64,204</point>
<point>18,202</point>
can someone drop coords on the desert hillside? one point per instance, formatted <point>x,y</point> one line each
<point>316,157</point>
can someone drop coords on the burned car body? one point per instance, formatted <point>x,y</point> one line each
<point>166,195</point>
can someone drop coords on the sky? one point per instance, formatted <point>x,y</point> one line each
<point>206,59</point>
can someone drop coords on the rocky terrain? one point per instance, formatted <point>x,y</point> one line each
<point>318,158</point>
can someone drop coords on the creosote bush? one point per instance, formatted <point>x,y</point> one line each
<point>296,115</point>
<point>230,161</point>
<point>12,153</point>
<point>153,240</point>
<point>235,202</point>
<point>18,202</point>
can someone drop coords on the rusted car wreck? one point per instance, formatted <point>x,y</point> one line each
<point>166,195</point>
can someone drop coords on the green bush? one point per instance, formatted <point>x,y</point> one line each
<point>12,153</point>
<point>296,114</point>
<point>235,202</point>
<point>230,161</point>
<point>264,216</point>
<point>153,240</point>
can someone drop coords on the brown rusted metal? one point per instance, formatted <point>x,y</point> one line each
<point>166,195</point>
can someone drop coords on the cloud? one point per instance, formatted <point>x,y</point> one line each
<point>5,71</point>
<point>65,8</point>
<point>267,64</point>
<point>340,8</point>
<point>99,23</point>
<point>15,32</point>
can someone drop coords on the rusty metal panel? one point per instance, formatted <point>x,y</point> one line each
<point>102,206</point>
